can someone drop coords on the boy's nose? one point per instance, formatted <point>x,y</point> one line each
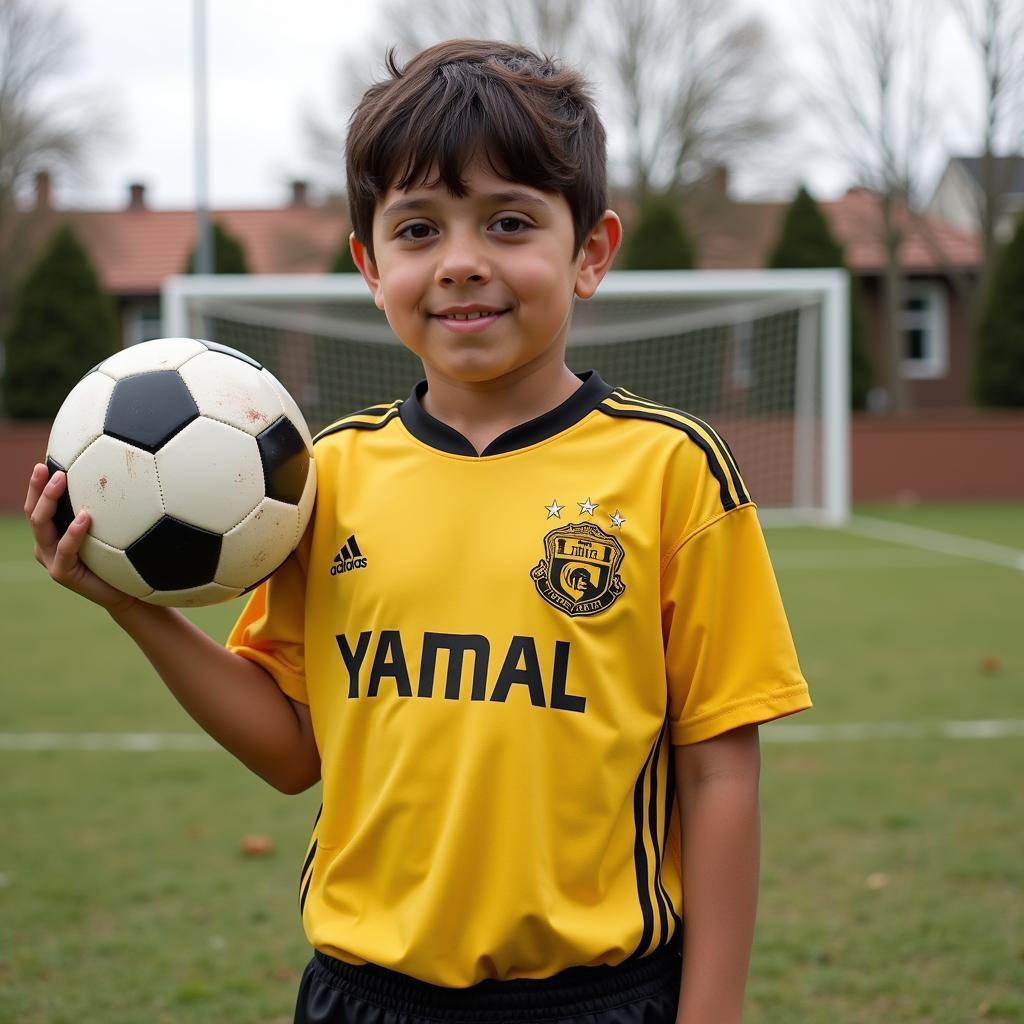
<point>461,262</point>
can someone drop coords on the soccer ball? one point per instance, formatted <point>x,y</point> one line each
<point>195,464</point>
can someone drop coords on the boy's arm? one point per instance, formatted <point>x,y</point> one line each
<point>235,700</point>
<point>717,791</point>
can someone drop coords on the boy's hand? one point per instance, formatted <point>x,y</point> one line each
<point>59,555</point>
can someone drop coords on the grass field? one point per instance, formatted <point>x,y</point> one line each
<point>893,880</point>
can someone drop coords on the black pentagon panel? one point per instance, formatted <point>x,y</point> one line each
<point>285,460</point>
<point>64,513</point>
<point>148,409</point>
<point>216,346</point>
<point>175,556</point>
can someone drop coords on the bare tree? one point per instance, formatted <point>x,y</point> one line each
<point>551,26</point>
<point>691,87</point>
<point>873,94</point>
<point>995,30</point>
<point>40,129</point>
<point>548,25</point>
<point>686,84</point>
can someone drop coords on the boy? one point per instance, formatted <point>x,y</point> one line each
<point>561,631</point>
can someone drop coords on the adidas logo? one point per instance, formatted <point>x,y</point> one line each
<point>348,558</point>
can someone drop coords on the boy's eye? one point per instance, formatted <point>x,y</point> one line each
<point>414,232</point>
<point>510,225</point>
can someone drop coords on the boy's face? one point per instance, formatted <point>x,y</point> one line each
<point>504,254</point>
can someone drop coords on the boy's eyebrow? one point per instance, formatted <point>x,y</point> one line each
<point>514,197</point>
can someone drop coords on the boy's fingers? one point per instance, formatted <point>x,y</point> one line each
<point>65,556</point>
<point>36,483</point>
<point>41,517</point>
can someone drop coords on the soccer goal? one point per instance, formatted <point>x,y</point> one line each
<point>761,355</point>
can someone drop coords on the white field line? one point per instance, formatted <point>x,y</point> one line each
<point>855,732</point>
<point>775,732</point>
<point>873,558</point>
<point>936,540</point>
<point>129,742</point>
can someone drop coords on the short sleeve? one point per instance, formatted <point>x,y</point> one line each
<point>271,628</point>
<point>729,652</point>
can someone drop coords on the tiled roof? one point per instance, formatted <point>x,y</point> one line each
<point>738,235</point>
<point>133,250</point>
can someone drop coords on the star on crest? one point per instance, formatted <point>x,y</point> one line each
<point>618,519</point>
<point>587,506</point>
<point>554,510</point>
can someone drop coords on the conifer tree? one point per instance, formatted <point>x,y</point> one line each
<point>806,242</point>
<point>228,254</point>
<point>659,239</point>
<point>999,368</point>
<point>63,324</point>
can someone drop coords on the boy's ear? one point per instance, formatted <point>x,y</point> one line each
<point>367,268</point>
<point>597,252</point>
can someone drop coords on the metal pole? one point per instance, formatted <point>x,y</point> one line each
<point>204,229</point>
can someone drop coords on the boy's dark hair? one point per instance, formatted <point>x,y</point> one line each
<point>528,116</point>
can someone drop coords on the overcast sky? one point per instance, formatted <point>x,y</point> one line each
<point>269,62</point>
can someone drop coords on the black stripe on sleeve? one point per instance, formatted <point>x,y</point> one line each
<point>349,423</point>
<point>714,463</point>
<point>725,452</point>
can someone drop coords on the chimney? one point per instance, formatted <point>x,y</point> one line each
<point>43,185</point>
<point>299,190</point>
<point>719,178</point>
<point>136,196</point>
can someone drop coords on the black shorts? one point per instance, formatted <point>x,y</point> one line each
<point>638,992</point>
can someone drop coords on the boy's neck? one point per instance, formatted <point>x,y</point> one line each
<point>483,411</point>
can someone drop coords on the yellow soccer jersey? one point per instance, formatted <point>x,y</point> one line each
<point>497,652</point>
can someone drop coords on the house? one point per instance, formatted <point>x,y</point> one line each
<point>940,263</point>
<point>135,248</point>
<point>959,195</point>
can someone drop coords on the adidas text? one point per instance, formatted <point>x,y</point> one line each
<point>348,565</point>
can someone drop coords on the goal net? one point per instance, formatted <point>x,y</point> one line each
<point>761,355</point>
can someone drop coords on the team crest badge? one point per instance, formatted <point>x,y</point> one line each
<point>579,573</point>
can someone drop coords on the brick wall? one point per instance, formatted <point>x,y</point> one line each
<point>949,456</point>
<point>22,445</point>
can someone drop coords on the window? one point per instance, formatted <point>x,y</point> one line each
<point>923,324</point>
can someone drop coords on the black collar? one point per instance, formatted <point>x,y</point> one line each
<point>439,435</point>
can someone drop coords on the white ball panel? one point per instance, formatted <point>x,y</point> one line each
<point>112,565</point>
<point>291,409</point>
<point>161,354</point>
<point>229,389</point>
<point>258,544</point>
<point>79,420</point>
<point>308,497</point>
<point>194,597</point>
<point>211,474</point>
<point>118,485</point>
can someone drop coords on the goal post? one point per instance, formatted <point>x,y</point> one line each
<point>762,355</point>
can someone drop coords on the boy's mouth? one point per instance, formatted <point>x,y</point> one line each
<point>468,312</point>
<point>469,319</point>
